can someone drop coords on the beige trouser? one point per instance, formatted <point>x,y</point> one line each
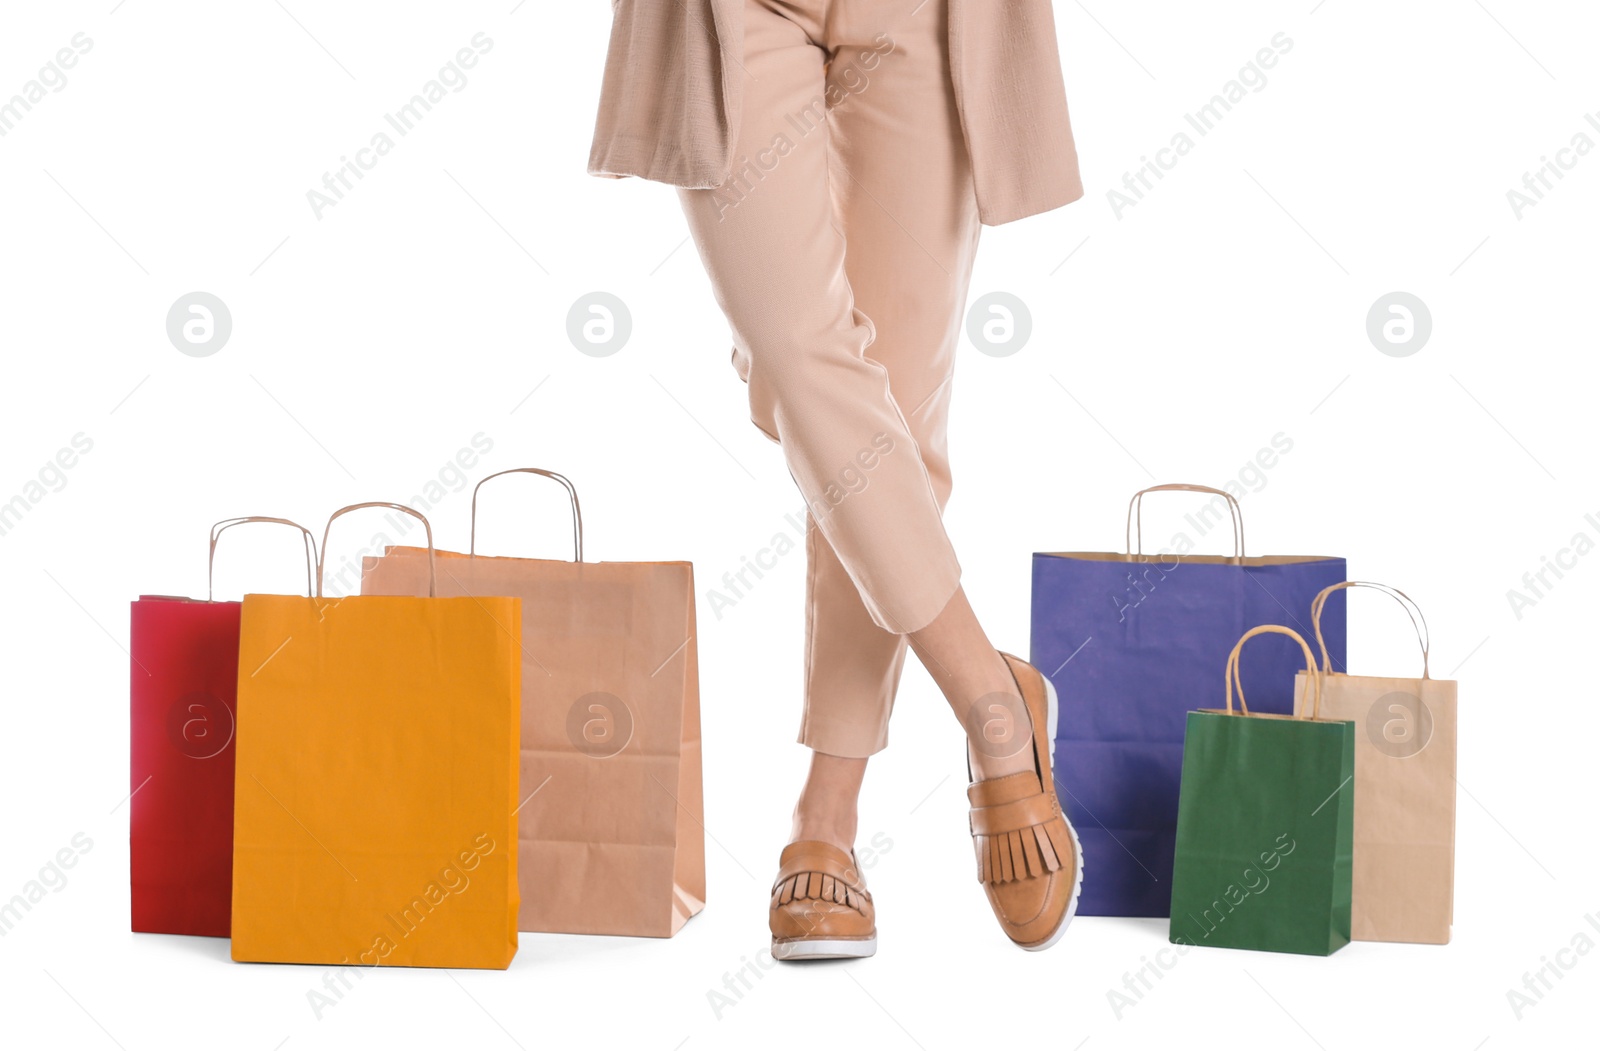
<point>840,250</point>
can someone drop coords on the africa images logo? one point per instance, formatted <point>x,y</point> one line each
<point>200,725</point>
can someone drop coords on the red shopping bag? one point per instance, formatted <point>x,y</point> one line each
<point>184,674</point>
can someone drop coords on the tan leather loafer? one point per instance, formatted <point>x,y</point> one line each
<point>1029,859</point>
<point>820,906</point>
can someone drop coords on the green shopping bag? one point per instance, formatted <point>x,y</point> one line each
<point>1265,823</point>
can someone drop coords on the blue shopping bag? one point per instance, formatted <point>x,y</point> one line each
<point>1129,640</point>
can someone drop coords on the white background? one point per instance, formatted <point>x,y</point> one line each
<point>371,344</point>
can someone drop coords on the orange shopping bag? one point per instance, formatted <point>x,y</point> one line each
<point>376,778</point>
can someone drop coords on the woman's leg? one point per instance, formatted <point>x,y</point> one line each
<point>826,809</point>
<point>979,688</point>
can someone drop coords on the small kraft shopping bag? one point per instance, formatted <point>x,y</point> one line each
<point>376,778</point>
<point>183,675</point>
<point>1405,791</point>
<point>610,833</point>
<point>1130,639</point>
<point>1265,823</point>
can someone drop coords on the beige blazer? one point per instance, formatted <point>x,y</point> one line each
<point>670,100</point>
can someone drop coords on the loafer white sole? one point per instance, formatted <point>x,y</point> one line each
<point>824,948</point>
<point>1077,847</point>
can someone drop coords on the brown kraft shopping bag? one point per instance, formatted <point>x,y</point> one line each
<point>1405,791</point>
<point>609,826</point>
